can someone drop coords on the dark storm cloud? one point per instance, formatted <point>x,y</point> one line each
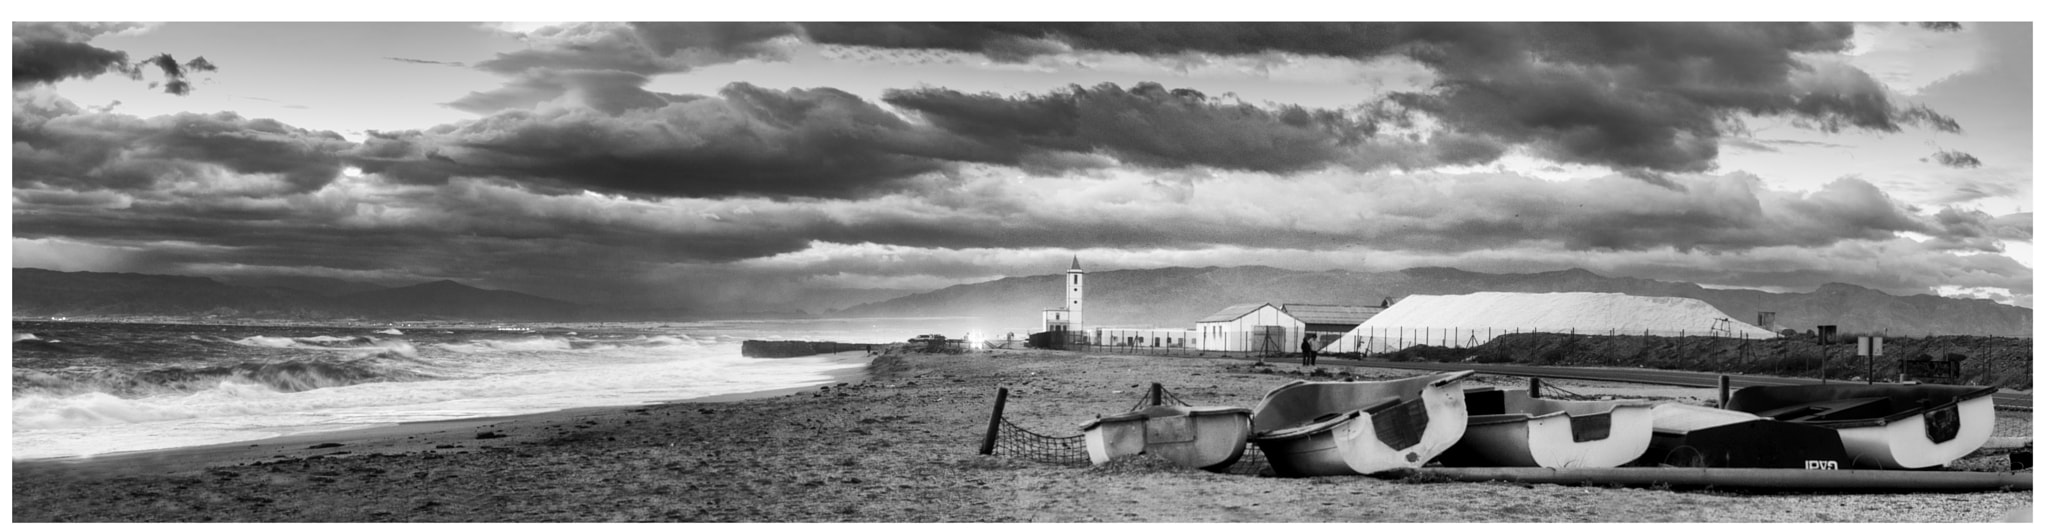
<point>604,131</point>
<point>47,52</point>
<point>1147,125</point>
<point>1955,159</point>
<point>1978,231</point>
<point>1649,96</point>
<point>58,145</point>
<point>748,140</point>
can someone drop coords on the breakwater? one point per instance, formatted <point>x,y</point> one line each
<point>754,348</point>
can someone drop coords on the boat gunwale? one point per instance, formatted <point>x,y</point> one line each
<point>1189,411</point>
<point>1314,427</point>
<point>1972,394</point>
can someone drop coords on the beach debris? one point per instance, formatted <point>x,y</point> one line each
<point>490,435</point>
<point>324,445</point>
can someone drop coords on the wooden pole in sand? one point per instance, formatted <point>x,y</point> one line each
<point>1157,390</point>
<point>1535,387</point>
<point>995,421</point>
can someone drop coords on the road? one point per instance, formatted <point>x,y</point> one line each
<point>1649,376</point>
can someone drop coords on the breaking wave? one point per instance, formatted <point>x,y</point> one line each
<point>287,376</point>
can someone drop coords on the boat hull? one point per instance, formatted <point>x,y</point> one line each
<point>1906,443</point>
<point>1685,435</point>
<point>1518,430</point>
<point>1892,426</point>
<point>1333,428</point>
<point>1209,438</point>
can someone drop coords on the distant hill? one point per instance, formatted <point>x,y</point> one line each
<point>44,292</point>
<point>1175,297</point>
<point>448,299</point>
<point>324,286</point>
<point>39,292</point>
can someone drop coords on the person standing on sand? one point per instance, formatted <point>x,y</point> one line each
<point>1308,350</point>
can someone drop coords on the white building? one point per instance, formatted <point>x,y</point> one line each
<point>1250,327</point>
<point>1328,321</point>
<point>1143,337</point>
<point>1067,318</point>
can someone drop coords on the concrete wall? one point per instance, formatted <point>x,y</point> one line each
<point>1145,337</point>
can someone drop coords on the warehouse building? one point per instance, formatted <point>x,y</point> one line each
<point>1250,327</point>
<point>1325,322</point>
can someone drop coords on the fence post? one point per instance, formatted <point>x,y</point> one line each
<point>1535,387</point>
<point>1156,392</point>
<point>995,422</point>
<point>1823,363</point>
<point>1724,391</point>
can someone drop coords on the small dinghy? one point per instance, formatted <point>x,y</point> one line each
<point>1331,428</point>
<point>1685,435</point>
<point>1207,437</point>
<point>1899,426</point>
<point>1511,428</point>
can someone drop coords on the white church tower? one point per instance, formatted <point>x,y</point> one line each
<point>1067,318</point>
<point>1074,276</point>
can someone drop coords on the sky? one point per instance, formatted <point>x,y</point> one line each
<point>762,165</point>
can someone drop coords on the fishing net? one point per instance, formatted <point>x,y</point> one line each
<point>1016,442</point>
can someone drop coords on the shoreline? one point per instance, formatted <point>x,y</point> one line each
<point>183,458</point>
<point>901,446</point>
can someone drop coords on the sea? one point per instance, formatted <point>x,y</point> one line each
<point>90,388</point>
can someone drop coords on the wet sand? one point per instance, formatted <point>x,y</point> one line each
<point>898,445</point>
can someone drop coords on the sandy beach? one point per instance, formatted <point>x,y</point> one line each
<point>897,443</point>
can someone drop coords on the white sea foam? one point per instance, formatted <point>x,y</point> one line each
<point>481,378</point>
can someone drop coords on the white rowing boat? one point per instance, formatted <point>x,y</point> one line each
<point>1330,428</point>
<point>1511,428</point>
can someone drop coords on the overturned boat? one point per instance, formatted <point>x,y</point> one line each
<point>1898,426</point>
<point>1330,428</point>
<point>1207,437</point>
<point>1685,435</point>
<point>1511,428</point>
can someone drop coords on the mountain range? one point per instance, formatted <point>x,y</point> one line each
<point>39,292</point>
<point>1167,297</point>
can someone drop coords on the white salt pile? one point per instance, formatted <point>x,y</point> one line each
<point>1467,320</point>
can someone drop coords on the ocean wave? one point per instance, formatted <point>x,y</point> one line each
<point>25,336</point>
<point>525,344</point>
<point>324,342</point>
<point>288,376</point>
<point>89,409</point>
<point>678,339</point>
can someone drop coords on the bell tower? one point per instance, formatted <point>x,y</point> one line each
<point>1074,291</point>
